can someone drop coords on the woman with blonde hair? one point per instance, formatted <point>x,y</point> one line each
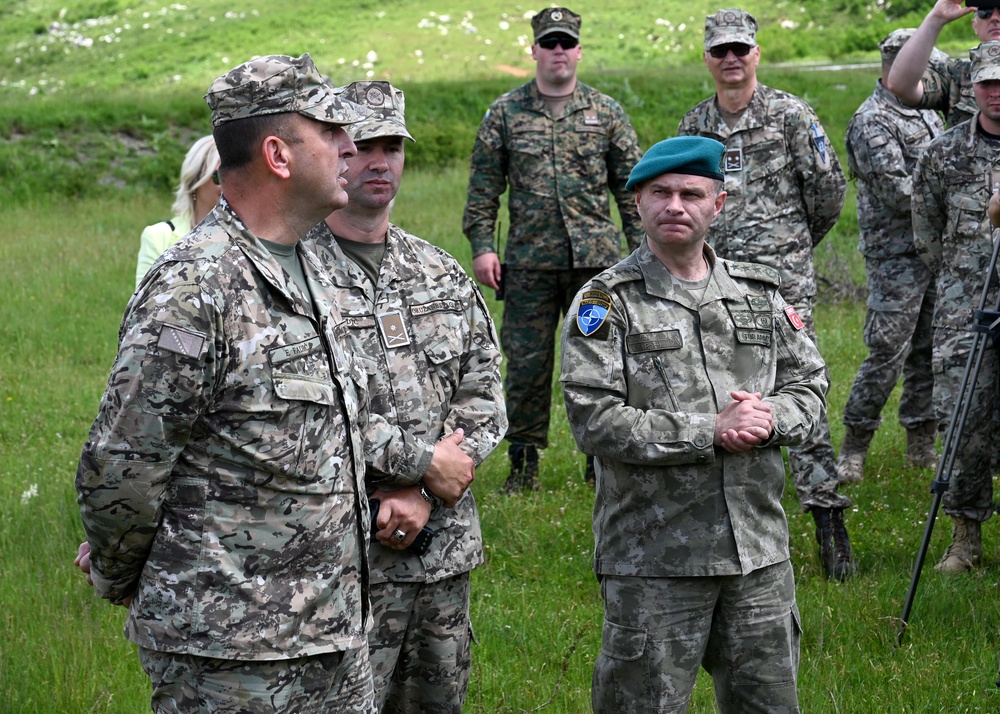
<point>197,193</point>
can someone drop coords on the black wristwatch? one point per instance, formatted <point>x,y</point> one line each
<point>427,495</point>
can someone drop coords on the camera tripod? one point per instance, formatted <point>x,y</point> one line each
<point>985,335</point>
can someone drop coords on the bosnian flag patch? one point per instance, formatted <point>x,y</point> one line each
<point>593,311</point>
<point>793,317</point>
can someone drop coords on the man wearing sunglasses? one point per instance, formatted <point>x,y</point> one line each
<point>786,189</point>
<point>560,147</point>
<point>922,80</point>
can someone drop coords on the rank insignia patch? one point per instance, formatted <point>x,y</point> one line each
<point>594,306</point>
<point>733,160</point>
<point>793,317</point>
<point>393,329</point>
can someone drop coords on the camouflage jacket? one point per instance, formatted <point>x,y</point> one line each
<point>951,231</point>
<point>222,481</point>
<point>642,394</point>
<point>444,373</point>
<point>948,89</point>
<point>785,185</point>
<point>884,139</point>
<point>559,172</point>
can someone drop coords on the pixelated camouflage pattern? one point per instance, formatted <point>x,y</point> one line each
<point>970,487</point>
<point>884,139</point>
<point>659,632</point>
<point>555,20</point>
<point>788,194</point>
<point>559,172</point>
<point>421,646</point>
<point>643,397</point>
<point>330,682</point>
<point>899,334</point>
<point>279,84</point>
<point>447,377</point>
<point>947,85</point>
<point>951,188</point>
<point>952,185</point>
<point>730,26</point>
<point>388,110</point>
<point>222,481</point>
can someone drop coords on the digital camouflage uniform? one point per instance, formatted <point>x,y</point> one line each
<point>785,190</point>
<point>947,85</point>
<point>677,519</point>
<point>884,140</point>
<point>441,372</point>
<point>952,234</point>
<point>559,171</point>
<point>222,479</point>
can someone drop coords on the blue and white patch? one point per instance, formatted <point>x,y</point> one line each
<point>593,311</point>
<point>819,140</point>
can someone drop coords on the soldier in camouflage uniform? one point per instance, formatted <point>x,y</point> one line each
<point>954,180</point>
<point>928,79</point>
<point>424,334</point>
<point>785,190</point>
<point>884,139</point>
<point>221,487</point>
<point>560,146</point>
<point>685,374</point>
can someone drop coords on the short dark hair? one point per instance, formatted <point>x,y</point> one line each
<point>239,140</point>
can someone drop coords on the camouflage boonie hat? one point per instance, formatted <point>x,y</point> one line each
<point>279,84</point>
<point>554,20</point>
<point>387,105</point>
<point>985,62</point>
<point>894,41</point>
<point>730,26</point>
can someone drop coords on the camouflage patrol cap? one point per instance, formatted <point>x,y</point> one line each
<point>894,41</point>
<point>554,20</point>
<point>985,62</point>
<point>279,84</point>
<point>387,106</point>
<point>982,3</point>
<point>730,26</point>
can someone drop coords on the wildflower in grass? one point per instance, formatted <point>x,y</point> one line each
<point>29,494</point>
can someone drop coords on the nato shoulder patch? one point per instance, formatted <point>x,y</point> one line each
<point>593,311</point>
<point>754,271</point>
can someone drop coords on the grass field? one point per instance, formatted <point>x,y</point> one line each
<point>87,159</point>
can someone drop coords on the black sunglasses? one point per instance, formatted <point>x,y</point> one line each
<point>985,13</point>
<point>553,41</point>
<point>737,48</point>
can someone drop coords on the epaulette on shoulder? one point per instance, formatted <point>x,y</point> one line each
<point>754,271</point>
<point>618,275</point>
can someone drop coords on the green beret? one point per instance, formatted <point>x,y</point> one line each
<point>693,155</point>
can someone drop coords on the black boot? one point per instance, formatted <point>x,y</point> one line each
<point>834,545</point>
<point>590,475</point>
<point>523,469</point>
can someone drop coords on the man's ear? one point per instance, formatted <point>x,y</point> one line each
<point>276,156</point>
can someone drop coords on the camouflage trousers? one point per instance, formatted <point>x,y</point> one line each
<point>743,629</point>
<point>329,682</point>
<point>420,646</point>
<point>899,335</point>
<point>534,301</point>
<point>814,470</point>
<point>970,487</point>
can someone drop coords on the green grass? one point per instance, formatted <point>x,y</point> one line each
<point>89,158</point>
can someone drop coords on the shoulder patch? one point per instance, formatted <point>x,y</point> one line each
<point>754,271</point>
<point>593,311</point>
<point>793,318</point>
<point>182,342</point>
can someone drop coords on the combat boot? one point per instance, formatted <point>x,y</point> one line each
<point>590,475</point>
<point>853,452</point>
<point>920,449</point>
<point>966,549</point>
<point>523,469</point>
<point>834,545</point>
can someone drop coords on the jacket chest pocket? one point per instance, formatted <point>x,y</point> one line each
<point>657,367</point>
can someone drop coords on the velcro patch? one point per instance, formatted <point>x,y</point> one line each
<point>593,311</point>
<point>793,317</point>
<point>654,341</point>
<point>753,337</point>
<point>182,342</point>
